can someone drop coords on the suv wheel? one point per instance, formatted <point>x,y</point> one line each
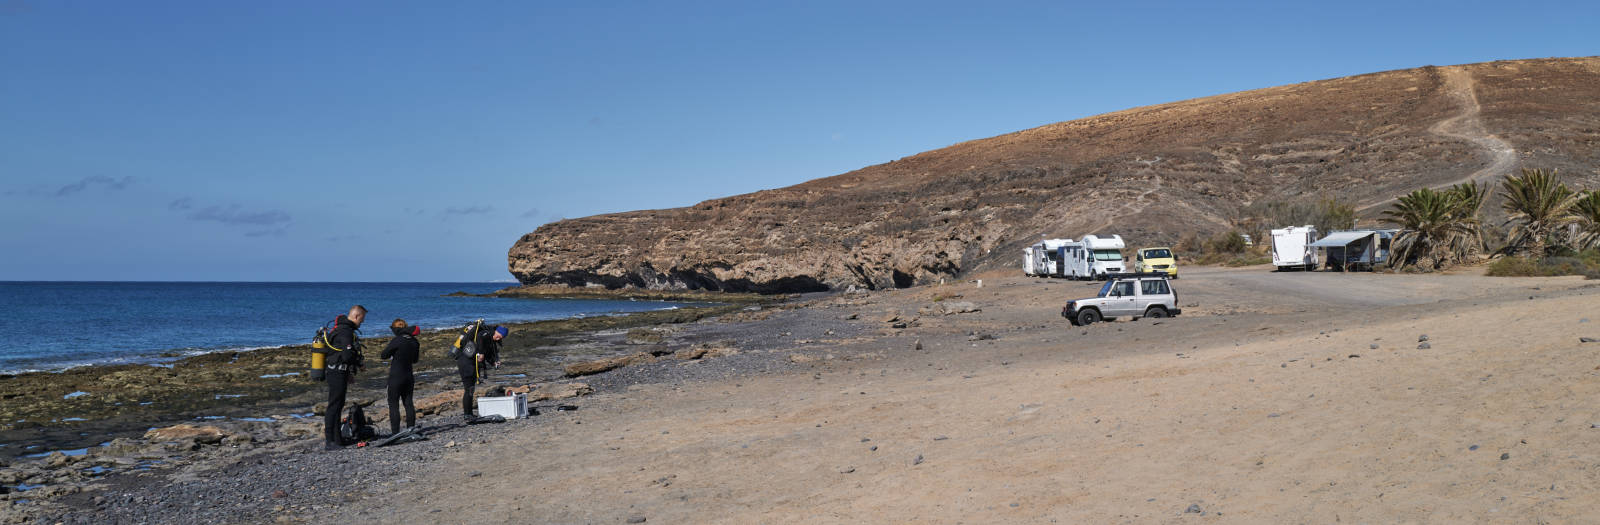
<point>1155,312</point>
<point>1088,316</point>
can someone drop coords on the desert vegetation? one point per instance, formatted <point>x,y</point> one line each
<point>1549,229</point>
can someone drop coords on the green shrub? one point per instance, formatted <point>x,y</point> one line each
<point>1586,263</point>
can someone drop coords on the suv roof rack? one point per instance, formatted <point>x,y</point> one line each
<point>1125,275</point>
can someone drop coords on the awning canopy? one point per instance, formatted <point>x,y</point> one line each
<point>1340,239</point>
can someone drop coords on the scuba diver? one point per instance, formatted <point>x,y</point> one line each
<point>343,363</point>
<point>404,352</point>
<point>485,341</point>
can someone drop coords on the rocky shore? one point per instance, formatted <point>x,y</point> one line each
<point>99,427</point>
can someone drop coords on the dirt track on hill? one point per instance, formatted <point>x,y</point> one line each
<point>1275,398</point>
<point>1467,126</point>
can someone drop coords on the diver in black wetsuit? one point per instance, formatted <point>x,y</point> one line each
<point>343,363</point>
<point>487,341</point>
<point>404,352</point>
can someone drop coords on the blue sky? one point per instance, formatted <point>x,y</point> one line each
<point>416,141</point>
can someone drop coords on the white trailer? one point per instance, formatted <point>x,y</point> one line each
<point>1093,257</point>
<point>1291,247</point>
<point>1028,262</point>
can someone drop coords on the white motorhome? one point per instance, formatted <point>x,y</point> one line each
<point>1291,247</point>
<point>1028,262</point>
<point>1051,250</point>
<point>1093,257</point>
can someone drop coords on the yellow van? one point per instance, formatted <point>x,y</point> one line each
<point>1156,260</point>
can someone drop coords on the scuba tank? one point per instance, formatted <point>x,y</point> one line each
<point>466,345</point>
<point>319,354</point>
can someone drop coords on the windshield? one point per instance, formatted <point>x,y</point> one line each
<point>1107,255</point>
<point>1105,290</point>
<point>1157,254</point>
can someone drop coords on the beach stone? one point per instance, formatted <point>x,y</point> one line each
<point>1422,338</point>
<point>1194,508</point>
<point>644,336</point>
<point>1587,340</point>
<point>185,432</point>
<point>604,365</point>
<point>958,307</point>
<point>892,316</point>
<point>917,460</point>
<point>1424,346</point>
<point>439,402</point>
<point>636,519</point>
<point>1373,346</point>
<point>1505,456</point>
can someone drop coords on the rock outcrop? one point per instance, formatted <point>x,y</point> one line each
<point>1151,174</point>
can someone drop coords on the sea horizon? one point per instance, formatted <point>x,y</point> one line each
<point>60,325</point>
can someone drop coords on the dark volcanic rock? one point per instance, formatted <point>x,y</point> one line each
<point>1151,174</point>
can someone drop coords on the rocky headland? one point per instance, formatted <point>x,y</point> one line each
<point>1151,174</point>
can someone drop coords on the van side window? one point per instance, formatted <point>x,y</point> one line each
<point>1154,287</point>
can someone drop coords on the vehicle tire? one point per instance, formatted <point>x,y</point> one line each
<point>1088,316</point>
<point>1155,312</point>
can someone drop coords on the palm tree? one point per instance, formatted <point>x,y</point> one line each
<point>1586,211</point>
<point>1438,225</point>
<point>1470,197</point>
<point>1539,202</point>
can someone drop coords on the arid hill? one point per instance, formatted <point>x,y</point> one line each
<point>1151,174</point>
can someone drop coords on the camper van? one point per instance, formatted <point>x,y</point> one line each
<point>1043,259</point>
<point>1053,249</point>
<point>1093,257</point>
<point>1291,247</point>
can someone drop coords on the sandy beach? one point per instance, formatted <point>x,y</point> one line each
<point>1276,397</point>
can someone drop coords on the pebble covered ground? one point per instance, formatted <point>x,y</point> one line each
<point>294,481</point>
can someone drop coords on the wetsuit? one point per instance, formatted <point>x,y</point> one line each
<point>342,366</point>
<point>472,370</point>
<point>404,352</point>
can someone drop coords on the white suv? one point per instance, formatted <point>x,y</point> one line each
<point>1126,295</point>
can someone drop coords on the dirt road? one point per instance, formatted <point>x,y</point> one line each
<point>1276,398</point>
<point>1467,126</point>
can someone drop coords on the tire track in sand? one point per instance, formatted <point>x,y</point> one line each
<point>1466,126</point>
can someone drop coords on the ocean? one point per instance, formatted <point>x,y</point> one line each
<point>58,325</point>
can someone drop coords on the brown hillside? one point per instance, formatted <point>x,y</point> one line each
<point>1149,173</point>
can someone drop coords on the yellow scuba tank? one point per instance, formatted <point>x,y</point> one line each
<point>319,355</point>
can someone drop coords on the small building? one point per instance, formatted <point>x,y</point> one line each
<point>1356,250</point>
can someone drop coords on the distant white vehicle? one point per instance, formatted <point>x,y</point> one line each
<point>1093,257</point>
<point>1043,259</point>
<point>1291,247</point>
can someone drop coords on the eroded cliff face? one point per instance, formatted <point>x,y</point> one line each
<point>1150,174</point>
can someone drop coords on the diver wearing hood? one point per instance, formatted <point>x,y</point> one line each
<point>403,351</point>
<point>343,363</point>
<point>486,340</point>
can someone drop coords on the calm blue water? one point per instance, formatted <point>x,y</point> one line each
<point>55,325</point>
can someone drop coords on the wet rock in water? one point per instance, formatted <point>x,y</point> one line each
<point>1194,508</point>
<point>1424,346</point>
<point>1422,338</point>
<point>208,435</point>
<point>57,460</point>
